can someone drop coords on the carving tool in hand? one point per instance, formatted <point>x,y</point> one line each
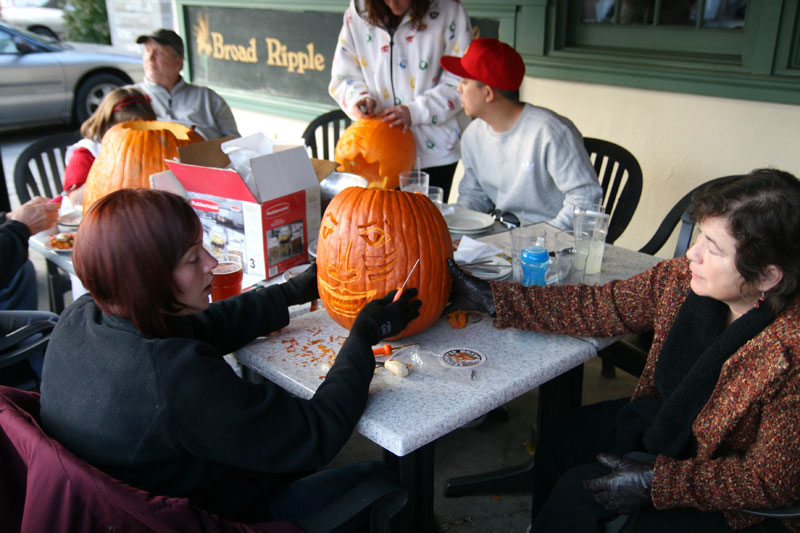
<point>400,290</point>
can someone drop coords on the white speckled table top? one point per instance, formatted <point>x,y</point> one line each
<point>404,414</point>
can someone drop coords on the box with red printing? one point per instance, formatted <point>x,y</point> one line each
<point>269,222</point>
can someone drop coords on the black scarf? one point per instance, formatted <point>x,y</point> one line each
<point>686,373</point>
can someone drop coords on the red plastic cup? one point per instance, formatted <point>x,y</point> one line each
<point>227,280</point>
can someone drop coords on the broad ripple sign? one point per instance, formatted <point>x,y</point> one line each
<point>269,52</point>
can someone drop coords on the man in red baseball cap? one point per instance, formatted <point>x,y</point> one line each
<point>517,158</point>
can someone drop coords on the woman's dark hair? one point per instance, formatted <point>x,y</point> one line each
<point>126,249</point>
<point>379,14</point>
<point>763,213</point>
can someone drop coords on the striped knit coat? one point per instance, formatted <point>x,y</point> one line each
<point>748,433</point>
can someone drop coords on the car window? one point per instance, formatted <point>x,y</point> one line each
<point>7,45</point>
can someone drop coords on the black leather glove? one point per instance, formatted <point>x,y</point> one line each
<point>383,318</point>
<point>624,490</point>
<point>301,288</point>
<point>469,293</point>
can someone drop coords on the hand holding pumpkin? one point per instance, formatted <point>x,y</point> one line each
<point>384,318</point>
<point>397,116</point>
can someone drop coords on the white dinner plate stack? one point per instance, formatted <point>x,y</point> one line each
<point>468,222</point>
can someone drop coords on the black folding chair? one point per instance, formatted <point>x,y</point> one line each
<point>16,347</point>
<point>39,171</point>
<point>327,128</point>
<point>620,176</point>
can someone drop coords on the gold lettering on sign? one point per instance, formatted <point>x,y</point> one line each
<point>278,55</point>
<point>233,52</point>
<point>202,34</point>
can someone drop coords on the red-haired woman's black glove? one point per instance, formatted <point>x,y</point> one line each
<point>302,288</point>
<point>383,318</point>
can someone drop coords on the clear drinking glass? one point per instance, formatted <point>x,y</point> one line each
<point>521,238</point>
<point>414,181</point>
<point>436,194</point>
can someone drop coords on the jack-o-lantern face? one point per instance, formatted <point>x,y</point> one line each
<point>368,242</point>
<point>376,151</point>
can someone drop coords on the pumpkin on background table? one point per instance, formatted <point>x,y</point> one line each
<point>368,243</point>
<point>376,151</point>
<point>130,152</point>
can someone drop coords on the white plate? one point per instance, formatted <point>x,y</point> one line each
<point>312,249</point>
<point>294,271</point>
<point>495,268</point>
<point>468,221</point>
<point>59,250</point>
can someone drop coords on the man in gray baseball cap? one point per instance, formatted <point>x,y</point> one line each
<point>172,98</point>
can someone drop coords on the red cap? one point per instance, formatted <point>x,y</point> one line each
<point>489,61</point>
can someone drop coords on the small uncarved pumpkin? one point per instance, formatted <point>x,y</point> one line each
<point>368,243</point>
<point>378,152</point>
<point>130,152</point>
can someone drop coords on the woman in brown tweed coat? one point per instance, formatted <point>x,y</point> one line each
<point>718,404</point>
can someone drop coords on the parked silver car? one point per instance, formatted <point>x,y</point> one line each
<point>47,82</point>
<point>43,17</point>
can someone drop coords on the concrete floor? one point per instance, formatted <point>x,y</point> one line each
<point>491,445</point>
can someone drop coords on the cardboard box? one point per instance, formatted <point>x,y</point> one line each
<point>271,222</point>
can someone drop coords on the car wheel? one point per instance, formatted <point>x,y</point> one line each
<point>92,91</point>
<point>44,31</point>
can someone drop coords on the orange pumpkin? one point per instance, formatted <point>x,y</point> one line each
<point>368,242</point>
<point>130,152</point>
<point>378,152</point>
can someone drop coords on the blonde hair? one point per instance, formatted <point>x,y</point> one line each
<point>121,104</point>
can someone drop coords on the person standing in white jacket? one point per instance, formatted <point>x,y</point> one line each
<point>387,64</point>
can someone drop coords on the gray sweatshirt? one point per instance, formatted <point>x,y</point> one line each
<point>539,168</point>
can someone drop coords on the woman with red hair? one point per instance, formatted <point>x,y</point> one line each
<point>135,382</point>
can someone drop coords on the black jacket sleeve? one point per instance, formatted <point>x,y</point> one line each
<point>13,248</point>
<point>216,416</point>
<point>229,324</point>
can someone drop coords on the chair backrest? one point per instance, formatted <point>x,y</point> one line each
<point>5,201</point>
<point>44,487</point>
<point>327,127</point>
<point>47,157</point>
<point>16,347</point>
<point>621,178</point>
<point>678,214</point>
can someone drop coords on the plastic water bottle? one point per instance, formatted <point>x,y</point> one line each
<point>534,261</point>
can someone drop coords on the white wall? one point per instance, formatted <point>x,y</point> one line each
<point>680,140</point>
<point>129,19</point>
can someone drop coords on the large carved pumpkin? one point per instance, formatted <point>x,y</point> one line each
<point>378,152</point>
<point>130,152</point>
<point>368,243</point>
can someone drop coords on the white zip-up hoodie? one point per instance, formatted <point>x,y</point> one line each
<point>404,69</point>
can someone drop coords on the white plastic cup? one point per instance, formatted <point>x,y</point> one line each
<point>592,222</point>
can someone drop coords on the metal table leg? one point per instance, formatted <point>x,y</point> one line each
<point>415,474</point>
